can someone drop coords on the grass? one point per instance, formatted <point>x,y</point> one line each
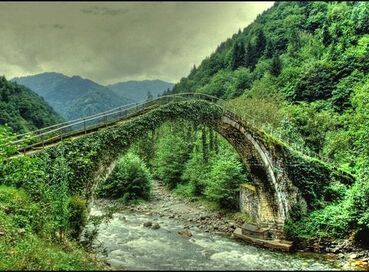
<point>24,247</point>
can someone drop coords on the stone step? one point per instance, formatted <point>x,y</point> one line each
<point>282,245</point>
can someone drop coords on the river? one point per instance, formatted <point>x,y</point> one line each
<point>126,243</point>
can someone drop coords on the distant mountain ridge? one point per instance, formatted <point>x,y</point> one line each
<point>139,90</point>
<point>72,97</point>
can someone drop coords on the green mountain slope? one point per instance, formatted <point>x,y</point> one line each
<point>299,64</point>
<point>72,97</point>
<point>300,72</point>
<point>139,90</point>
<point>24,110</point>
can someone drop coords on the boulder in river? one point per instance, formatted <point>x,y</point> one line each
<point>155,226</point>
<point>185,233</point>
<point>147,224</point>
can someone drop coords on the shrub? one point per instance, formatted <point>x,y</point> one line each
<point>173,151</point>
<point>77,215</point>
<point>225,177</point>
<point>130,180</point>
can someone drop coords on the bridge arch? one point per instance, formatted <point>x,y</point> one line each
<point>278,171</point>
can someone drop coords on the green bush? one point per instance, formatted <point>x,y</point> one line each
<point>130,180</point>
<point>196,173</point>
<point>186,190</point>
<point>22,247</point>
<point>77,208</point>
<point>224,181</point>
<point>173,151</point>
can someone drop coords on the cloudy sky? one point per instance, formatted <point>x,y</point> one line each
<point>116,41</point>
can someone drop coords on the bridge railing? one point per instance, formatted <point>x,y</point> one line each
<point>39,138</point>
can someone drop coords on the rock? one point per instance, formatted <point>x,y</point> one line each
<point>353,256</point>
<point>185,233</point>
<point>155,226</point>
<point>147,224</point>
<point>2,233</point>
<point>231,225</point>
<point>202,217</point>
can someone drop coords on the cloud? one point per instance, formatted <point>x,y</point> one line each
<point>95,10</point>
<point>152,40</point>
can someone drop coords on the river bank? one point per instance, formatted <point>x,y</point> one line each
<point>199,216</point>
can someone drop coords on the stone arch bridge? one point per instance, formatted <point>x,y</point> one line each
<point>282,177</point>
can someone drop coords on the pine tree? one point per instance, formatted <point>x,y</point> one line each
<point>326,38</point>
<point>276,66</point>
<point>260,43</point>
<point>238,56</point>
<point>250,59</point>
<point>149,96</point>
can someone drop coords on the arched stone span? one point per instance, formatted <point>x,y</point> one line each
<point>279,172</point>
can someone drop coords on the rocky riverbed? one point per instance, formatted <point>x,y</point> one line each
<point>168,212</point>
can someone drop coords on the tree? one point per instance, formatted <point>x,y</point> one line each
<point>250,59</point>
<point>238,55</point>
<point>149,96</point>
<point>260,43</point>
<point>326,38</point>
<point>276,66</point>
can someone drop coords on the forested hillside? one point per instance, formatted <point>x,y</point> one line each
<point>300,73</point>
<point>140,90</point>
<point>300,70</point>
<point>23,110</point>
<point>72,97</point>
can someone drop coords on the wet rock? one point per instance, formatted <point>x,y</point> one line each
<point>147,224</point>
<point>155,226</point>
<point>2,233</point>
<point>231,225</point>
<point>185,233</point>
<point>353,256</point>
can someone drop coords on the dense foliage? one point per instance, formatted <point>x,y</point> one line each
<point>198,163</point>
<point>300,73</point>
<point>129,181</point>
<point>39,215</point>
<point>23,110</point>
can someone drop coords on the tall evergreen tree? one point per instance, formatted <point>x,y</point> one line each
<point>326,38</point>
<point>260,43</point>
<point>276,66</point>
<point>238,55</point>
<point>250,59</point>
